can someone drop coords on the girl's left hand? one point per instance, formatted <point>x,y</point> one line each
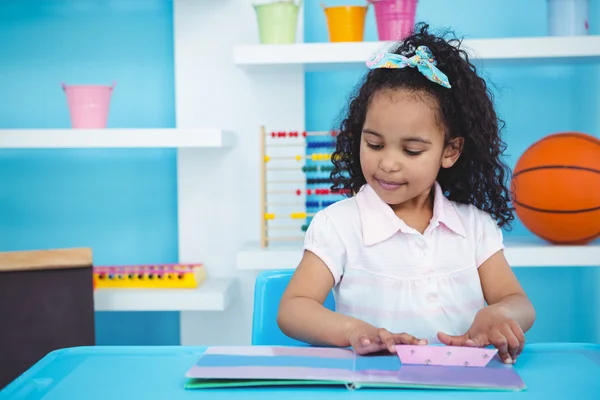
<point>491,327</point>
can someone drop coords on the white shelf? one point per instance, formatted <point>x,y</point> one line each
<point>115,138</point>
<point>519,253</point>
<point>311,56</point>
<point>215,294</point>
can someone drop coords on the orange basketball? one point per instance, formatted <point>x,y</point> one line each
<point>556,188</point>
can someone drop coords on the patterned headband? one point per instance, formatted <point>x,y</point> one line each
<point>423,60</point>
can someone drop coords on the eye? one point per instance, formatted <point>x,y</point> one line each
<point>375,146</point>
<point>412,153</point>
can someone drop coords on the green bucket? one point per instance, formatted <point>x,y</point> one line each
<point>277,21</point>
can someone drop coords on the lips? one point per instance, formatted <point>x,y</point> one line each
<point>388,185</point>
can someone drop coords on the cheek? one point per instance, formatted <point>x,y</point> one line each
<point>366,156</point>
<point>427,164</point>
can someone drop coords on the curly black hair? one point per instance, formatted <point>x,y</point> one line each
<point>466,110</point>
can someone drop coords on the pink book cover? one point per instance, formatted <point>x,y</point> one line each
<point>450,356</point>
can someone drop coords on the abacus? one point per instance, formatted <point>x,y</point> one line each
<point>295,183</point>
<point>164,276</point>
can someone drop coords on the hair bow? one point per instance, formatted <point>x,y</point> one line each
<point>423,60</point>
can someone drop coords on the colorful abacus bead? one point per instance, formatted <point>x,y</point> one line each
<point>314,181</point>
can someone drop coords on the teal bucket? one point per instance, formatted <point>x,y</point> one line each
<point>277,21</point>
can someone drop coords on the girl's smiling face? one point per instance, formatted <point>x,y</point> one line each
<point>403,146</point>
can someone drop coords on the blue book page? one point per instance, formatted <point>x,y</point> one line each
<point>274,363</point>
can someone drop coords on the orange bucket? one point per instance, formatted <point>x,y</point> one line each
<point>346,23</point>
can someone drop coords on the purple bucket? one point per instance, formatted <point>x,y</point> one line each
<point>395,18</point>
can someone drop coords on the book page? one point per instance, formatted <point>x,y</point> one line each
<point>274,363</point>
<point>387,370</point>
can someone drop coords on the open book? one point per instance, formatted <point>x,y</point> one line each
<point>433,367</point>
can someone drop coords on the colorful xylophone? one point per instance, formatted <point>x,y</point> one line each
<point>166,276</point>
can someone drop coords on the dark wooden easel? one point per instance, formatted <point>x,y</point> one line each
<point>46,303</point>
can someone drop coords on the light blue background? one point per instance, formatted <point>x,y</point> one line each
<point>122,203</point>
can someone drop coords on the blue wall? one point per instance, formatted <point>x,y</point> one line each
<point>123,202</point>
<point>534,100</point>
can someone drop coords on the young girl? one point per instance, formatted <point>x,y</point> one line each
<point>415,256</point>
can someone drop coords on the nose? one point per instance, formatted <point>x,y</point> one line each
<point>389,164</point>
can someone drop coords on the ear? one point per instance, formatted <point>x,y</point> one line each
<point>452,152</point>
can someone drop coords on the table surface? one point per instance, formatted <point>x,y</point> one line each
<point>550,371</point>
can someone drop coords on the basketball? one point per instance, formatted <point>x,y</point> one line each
<point>556,188</point>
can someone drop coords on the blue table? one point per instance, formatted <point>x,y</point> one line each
<point>550,371</point>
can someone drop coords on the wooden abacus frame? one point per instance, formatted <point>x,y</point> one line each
<point>265,158</point>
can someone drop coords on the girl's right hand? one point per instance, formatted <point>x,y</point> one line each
<point>366,339</point>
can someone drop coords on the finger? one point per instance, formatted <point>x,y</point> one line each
<point>521,346</point>
<point>518,331</point>
<point>367,344</point>
<point>387,339</point>
<point>478,340</point>
<point>499,341</point>
<point>405,338</point>
<point>449,340</point>
<point>512,341</point>
<point>364,340</point>
<point>364,350</point>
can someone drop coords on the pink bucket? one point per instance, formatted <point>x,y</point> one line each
<point>395,18</point>
<point>88,105</point>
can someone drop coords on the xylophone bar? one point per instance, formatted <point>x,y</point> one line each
<point>149,276</point>
<point>289,134</point>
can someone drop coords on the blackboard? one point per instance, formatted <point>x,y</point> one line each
<point>46,303</point>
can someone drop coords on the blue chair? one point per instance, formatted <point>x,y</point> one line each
<point>268,290</point>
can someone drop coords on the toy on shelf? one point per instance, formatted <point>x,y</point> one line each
<point>555,188</point>
<point>88,105</point>
<point>395,18</point>
<point>295,183</point>
<point>167,276</point>
<point>346,23</point>
<point>277,21</point>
